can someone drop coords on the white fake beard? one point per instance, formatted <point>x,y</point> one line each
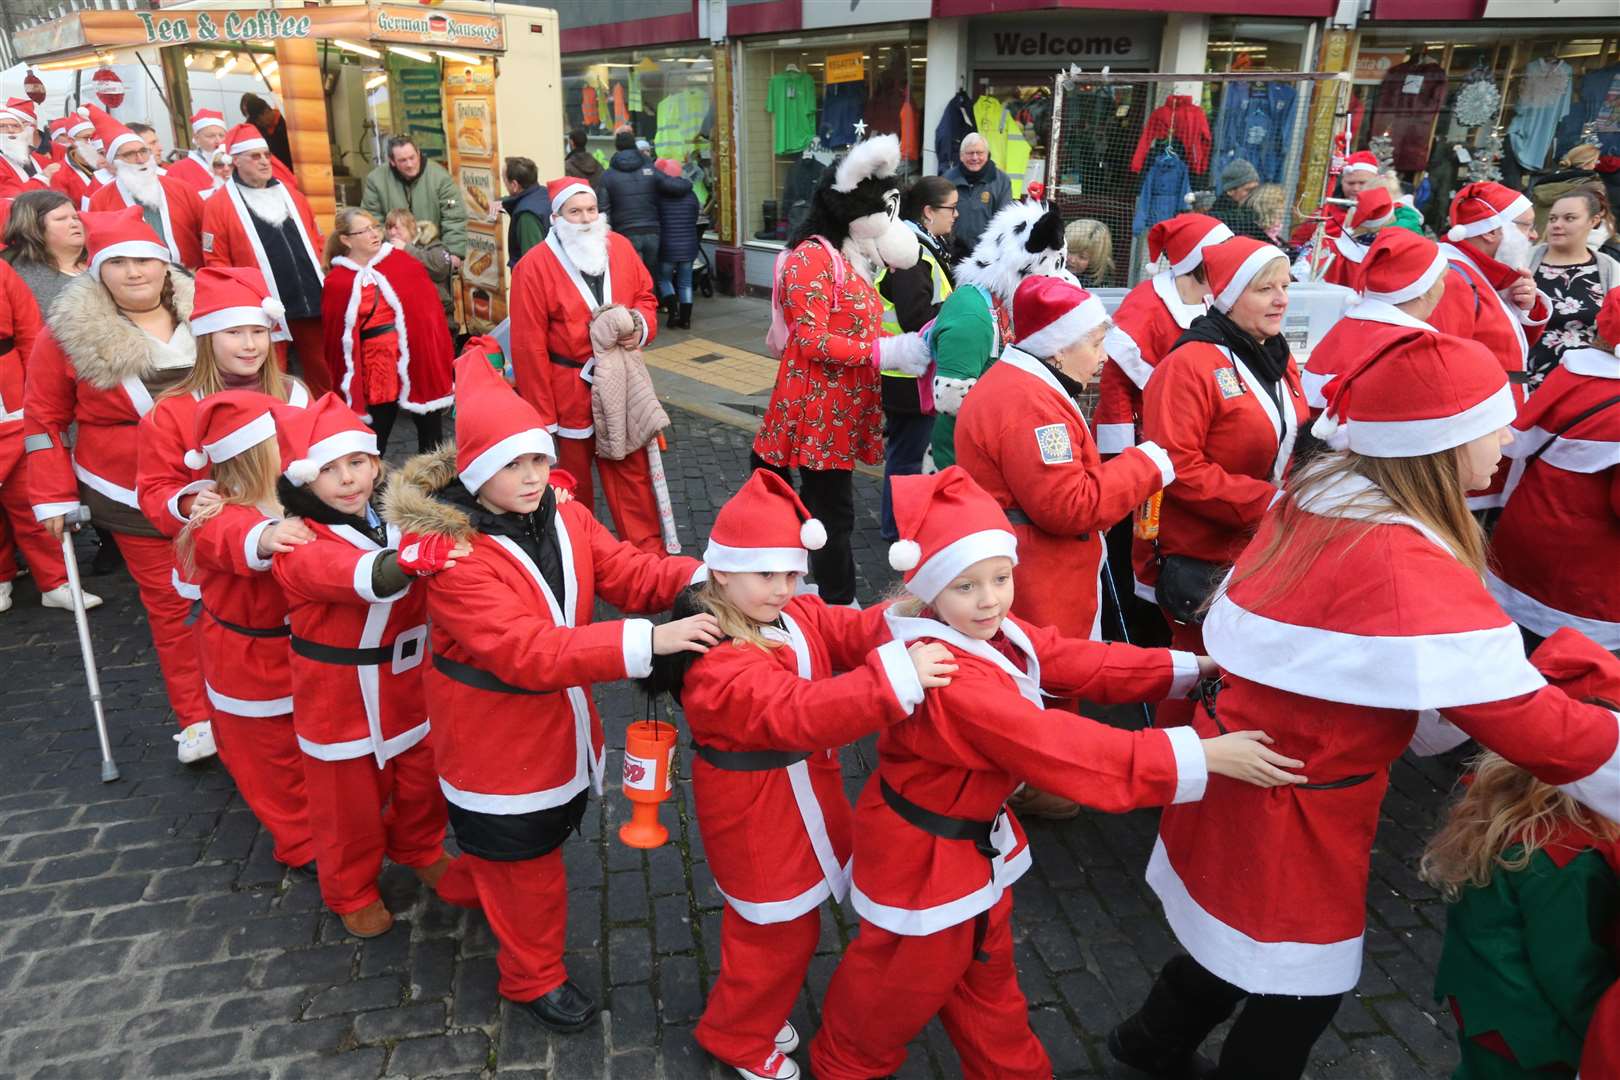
<point>1515,248</point>
<point>87,153</point>
<point>141,181</point>
<point>586,245</point>
<point>16,148</point>
<point>266,203</point>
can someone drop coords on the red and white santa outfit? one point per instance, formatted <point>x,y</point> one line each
<point>1229,434</point>
<point>1475,304</point>
<point>1374,209</point>
<point>75,179</point>
<point>517,740</point>
<point>552,359</point>
<point>936,853</point>
<point>243,634</point>
<point>767,782</point>
<point>357,664</point>
<point>1555,548</point>
<point>197,167</point>
<point>232,235</point>
<point>182,210</point>
<point>1028,445</point>
<point>97,370</point>
<point>16,179</point>
<point>1387,634</point>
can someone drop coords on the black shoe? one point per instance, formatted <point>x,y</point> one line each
<point>307,871</point>
<point>684,319</point>
<point>1157,1064</point>
<point>564,1010</point>
<point>666,306</point>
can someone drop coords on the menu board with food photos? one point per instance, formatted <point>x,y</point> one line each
<point>469,106</point>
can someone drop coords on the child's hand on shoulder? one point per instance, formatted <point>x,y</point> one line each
<point>424,554</point>
<point>201,501</point>
<point>1244,755</point>
<point>692,634</point>
<point>933,663</point>
<point>283,536</point>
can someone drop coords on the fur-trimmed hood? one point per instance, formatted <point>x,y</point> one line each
<point>411,501</point>
<point>105,347</point>
<point>1023,238</point>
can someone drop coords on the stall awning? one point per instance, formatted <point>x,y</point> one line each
<point>1305,9</point>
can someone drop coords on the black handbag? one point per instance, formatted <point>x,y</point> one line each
<point>1185,586</point>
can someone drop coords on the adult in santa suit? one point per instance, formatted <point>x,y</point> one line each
<point>1357,620</point>
<point>1341,264</point>
<point>517,740</point>
<point>1359,170</point>
<point>20,170</point>
<point>208,132</point>
<point>117,340</point>
<point>259,221</point>
<point>1226,405</point>
<point>936,852</point>
<point>84,165</point>
<point>1490,295</point>
<point>169,206</point>
<point>558,288</point>
<point>1555,548</point>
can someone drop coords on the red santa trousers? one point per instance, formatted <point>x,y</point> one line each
<point>19,526</point>
<point>310,345</point>
<point>526,903</point>
<point>627,486</point>
<point>889,986</point>
<point>1178,712</point>
<point>151,563</point>
<point>358,813</point>
<point>261,753</point>
<point>762,970</point>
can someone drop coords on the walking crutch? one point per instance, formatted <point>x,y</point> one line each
<point>80,515</point>
<point>1124,631</point>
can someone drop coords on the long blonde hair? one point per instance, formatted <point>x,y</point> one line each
<point>733,623</point>
<point>248,479</point>
<point>1503,808</point>
<point>205,377</point>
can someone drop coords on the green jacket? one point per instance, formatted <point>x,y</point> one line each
<point>965,342</point>
<point>432,196</point>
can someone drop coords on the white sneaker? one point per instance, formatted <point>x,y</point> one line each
<point>776,1067</point>
<point>62,597</point>
<point>196,742</point>
<point>5,596</point>
<point>787,1040</point>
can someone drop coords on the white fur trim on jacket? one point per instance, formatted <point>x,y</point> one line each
<point>244,218</point>
<point>367,275</point>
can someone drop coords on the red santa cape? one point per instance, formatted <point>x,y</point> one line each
<point>425,349</point>
<point>194,169</point>
<point>182,214</point>
<point>1369,326</point>
<point>230,239</point>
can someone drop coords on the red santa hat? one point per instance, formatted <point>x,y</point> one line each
<point>1608,320</point>
<point>947,523</point>
<point>229,423</point>
<point>1183,239</point>
<point>764,528</point>
<point>244,139</point>
<point>565,188</point>
<point>1578,666</point>
<point>314,437</point>
<point>61,127</point>
<point>1401,266</point>
<point>1051,314</point>
<point>230,296</point>
<point>21,109</point>
<point>111,234</point>
<point>1420,394</point>
<point>206,118</point>
<point>76,125</point>
<point>493,424</point>
<point>109,131</point>
<point>1360,161</point>
<point>1232,264</point>
<point>1374,209</point>
<point>1480,207</point>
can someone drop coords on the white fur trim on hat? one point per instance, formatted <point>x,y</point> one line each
<point>1189,262</point>
<point>756,560</point>
<point>491,461</point>
<point>128,249</point>
<point>878,156</point>
<point>248,145</point>
<point>329,450</point>
<point>1067,329</point>
<point>204,122</point>
<point>1257,260</point>
<point>225,318</point>
<point>578,187</point>
<point>244,438</point>
<point>196,459</point>
<point>1359,166</point>
<point>1417,288</point>
<point>1502,219</point>
<point>813,534</point>
<point>274,308</point>
<point>904,555</point>
<point>1414,438</point>
<point>930,579</point>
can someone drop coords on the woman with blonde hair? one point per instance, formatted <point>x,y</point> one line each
<point>1270,205</point>
<point>1091,252</point>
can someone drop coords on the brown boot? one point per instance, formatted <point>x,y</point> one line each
<point>1030,803</point>
<point>370,921</point>
<point>430,875</point>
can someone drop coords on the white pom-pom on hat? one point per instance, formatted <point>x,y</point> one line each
<point>813,534</point>
<point>1332,433</point>
<point>274,308</point>
<point>196,459</point>
<point>302,471</point>
<point>904,555</point>
<point>1456,234</point>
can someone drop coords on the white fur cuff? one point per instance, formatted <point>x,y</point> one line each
<point>949,393</point>
<point>906,354</point>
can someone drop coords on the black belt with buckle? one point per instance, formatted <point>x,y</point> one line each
<point>377,331</point>
<point>1206,692</point>
<point>335,654</point>
<point>1018,517</point>
<point>949,828</point>
<point>478,678</point>
<point>562,361</point>
<point>749,760</point>
<point>252,631</point>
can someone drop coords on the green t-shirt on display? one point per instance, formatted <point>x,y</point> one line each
<point>791,100</point>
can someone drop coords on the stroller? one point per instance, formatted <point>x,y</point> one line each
<point>702,270</point>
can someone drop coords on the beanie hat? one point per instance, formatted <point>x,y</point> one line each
<point>1183,238</point>
<point>1421,393</point>
<point>204,118</point>
<point>244,139</point>
<point>1052,314</point>
<point>1480,207</point>
<point>1232,264</point>
<point>110,234</point>
<point>667,166</point>
<point>21,109</point>
<point>229,423</point>
<point>1360,161</point>
<point>493,424</point>
<point>763,528</point>
<point>1608,319</point>
<point>228,296</point>
<point>112,134</point>
<point>1374,209</point>
<point>1578,666</point>
<point>313,437</point>
<point>564,188</point>
<point>947,523</point>
<point>1401,266</point>
<point>1237,173</point>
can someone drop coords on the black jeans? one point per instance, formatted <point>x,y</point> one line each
<point>429,426</point>
<point>829,494</point>
<point>905,441</point>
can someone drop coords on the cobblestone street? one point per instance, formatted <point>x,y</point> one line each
<point>146,931</point>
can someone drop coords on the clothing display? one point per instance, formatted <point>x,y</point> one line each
<point>1254,123</point>
<point>955,124</point>
<point>1002,130</point>
<point>680,122</point>
<point>1600,107</point>
<point>1165,188</point>
<point>845,104</point>
<point>1409,98</point>
<point>1180,117</point>
<point>791,100</point>
<point>1090,117</point>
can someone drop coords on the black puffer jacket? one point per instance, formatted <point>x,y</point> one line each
<point>630,190</point>
<point>678,225</point>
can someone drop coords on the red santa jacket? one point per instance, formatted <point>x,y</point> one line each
<point>182,213</point>
<point>1027,444</point>
<point>20,325</point>
<point>1555,549</point>
<point>193,169</point>
<point>1229,445</point>
<point>537,743</point>
<point>551,322</point>
<point>242,632</point>
<point>229,238</point>
<point>1386,633</point>
<point>76,185</point>
<point>426,352</point>
<point>971,744</point>
<point>1601,1054</point>
<point>778,840</point>
<point>1146,326</point>
<point>13,181</point>
<point>357,658</point>
<point>1367,327</point>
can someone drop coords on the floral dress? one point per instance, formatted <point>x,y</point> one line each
<point>826,410</point>
<point>1576,294</point>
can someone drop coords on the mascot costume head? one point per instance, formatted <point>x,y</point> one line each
<point>1023,239</point>
<point>856,207</point>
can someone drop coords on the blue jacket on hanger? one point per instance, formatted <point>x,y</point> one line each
<point>1164,191</point>
<point>955,124</point>
<point>841,106</point>
<point>1254,122</point>
<point>1595,104</point>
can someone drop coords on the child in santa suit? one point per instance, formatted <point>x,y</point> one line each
<point>935,850</point>
<point>767,717</point>
<point>231,318</point>
<point>517,740</point>
<point>235,528</point>
<point>359,638</point>
<point>1533,899</point>
<point>1555,548</point>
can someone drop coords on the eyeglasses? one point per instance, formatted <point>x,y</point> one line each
<point>362,232</point>
<point>134,156</point>
<point>951,208</point>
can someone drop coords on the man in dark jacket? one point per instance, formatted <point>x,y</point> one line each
<point>629,197</point>
<point>411,182</point>
<point>581,163</point>
<point>262,115</point>
<point>1237,182</point>
<point>528,207</point>
<point>981,189</point>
